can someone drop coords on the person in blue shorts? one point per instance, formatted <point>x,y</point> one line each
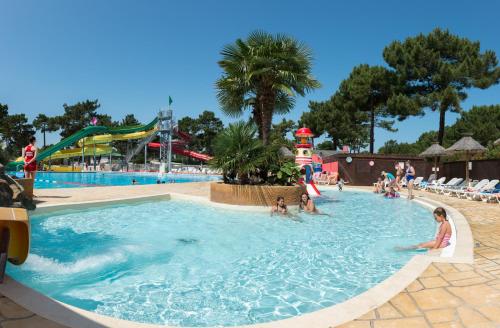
<point>410,178</point>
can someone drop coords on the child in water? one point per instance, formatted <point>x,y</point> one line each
<point>306,204</point>
<point>280,207</point>
<point>391,193</point>
<point>443,236</point>
<point>341,184</point>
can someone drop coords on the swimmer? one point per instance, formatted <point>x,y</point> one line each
<point>134,182</point>
<point>306,204</point>
<point>280,207</point>
<point>341,184</point>
<point>443,236</point>
<point>391,193</point>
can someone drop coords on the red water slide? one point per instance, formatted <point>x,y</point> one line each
<point>177,149</point>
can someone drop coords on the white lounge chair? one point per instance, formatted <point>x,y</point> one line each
<point>424,183</point>
<point>488,188</point>
<point>461,192</point>
<point>460,186</point>
<point>435,183</point>
<point>452,183</point>
<point>417,181</point>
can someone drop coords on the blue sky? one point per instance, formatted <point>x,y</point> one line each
<point>131,55</point>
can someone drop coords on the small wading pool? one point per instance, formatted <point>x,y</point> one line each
<point>181,263</point>
<point>45,180</point>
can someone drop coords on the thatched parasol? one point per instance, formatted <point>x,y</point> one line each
<point>435,150</point>
<point>468,146</point>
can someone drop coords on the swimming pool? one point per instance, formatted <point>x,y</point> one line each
<point>45,180</point>
<point>182,263</point>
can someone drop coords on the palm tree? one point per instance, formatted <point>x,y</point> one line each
<point>264,73</point>
<point>45,124</point>
<point>238,153</point>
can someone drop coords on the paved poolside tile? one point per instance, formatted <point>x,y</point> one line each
<point>461,275</point>
<point>356,324</point>
<point>431,271</point>
<point>446,267</point>
<point>387,311</point>
<point>436,298</point>
<point>418,322</point>
<point>438,316</point>
<point>491,312</point>
<point>368,316</point>
<point>470,317</point>
<point>454,324</point>
<point>415,286</point>
<point>468,282</point>
<point>477,295</point>
<point>463,267</point>
<point>405,305</point>
<point>433,282</point>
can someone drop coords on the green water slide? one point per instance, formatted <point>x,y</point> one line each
<point>72,139</point>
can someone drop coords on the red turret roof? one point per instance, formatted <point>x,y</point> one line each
<point>304,132</point>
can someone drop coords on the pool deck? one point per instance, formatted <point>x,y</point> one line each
<point>445,295</point>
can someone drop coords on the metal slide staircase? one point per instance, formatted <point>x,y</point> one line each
<point>140,146</point>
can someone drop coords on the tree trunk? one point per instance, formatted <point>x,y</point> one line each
<point>43,138</point>
<point>267,118</point>
<point>266,102</point>
<point>372,130</point>
<point>442,113</point>
<point>257,118</point>
<point>335,143</point>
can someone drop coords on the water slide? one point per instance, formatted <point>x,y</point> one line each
<point>177,148</point>
<point>107,138</point>
<point>14,237</point>
<point>87,151</point>
<point>74,138</point>
<point>312,190</point>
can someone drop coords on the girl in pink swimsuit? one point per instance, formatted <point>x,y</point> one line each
<point>444,234</point>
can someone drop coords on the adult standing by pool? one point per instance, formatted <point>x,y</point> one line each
<point>410,178</point>
<point>29,155</point>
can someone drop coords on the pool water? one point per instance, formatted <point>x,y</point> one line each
<point>45,180</point>
<point>182,263</point>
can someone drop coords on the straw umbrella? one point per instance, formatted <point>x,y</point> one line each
<point>468,146</point>
<point>436,151</point>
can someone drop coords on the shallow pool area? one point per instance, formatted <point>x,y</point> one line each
<point>181,263</point>
<point>46,180</point>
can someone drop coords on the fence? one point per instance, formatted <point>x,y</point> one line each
<point>358,170</point>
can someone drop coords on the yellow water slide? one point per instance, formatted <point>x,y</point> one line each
<point>107,138</point>
<point>16,222</point>
<point>77,152</point>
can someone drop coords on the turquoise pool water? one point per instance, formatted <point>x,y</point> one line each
<point>46,180</point>
<point>182,263</point>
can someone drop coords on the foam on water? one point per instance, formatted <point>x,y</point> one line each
<point>43,265</point>
<point>181,263</point>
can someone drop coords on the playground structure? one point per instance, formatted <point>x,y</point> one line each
<point>304,159</point>
<point>95,141</point>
